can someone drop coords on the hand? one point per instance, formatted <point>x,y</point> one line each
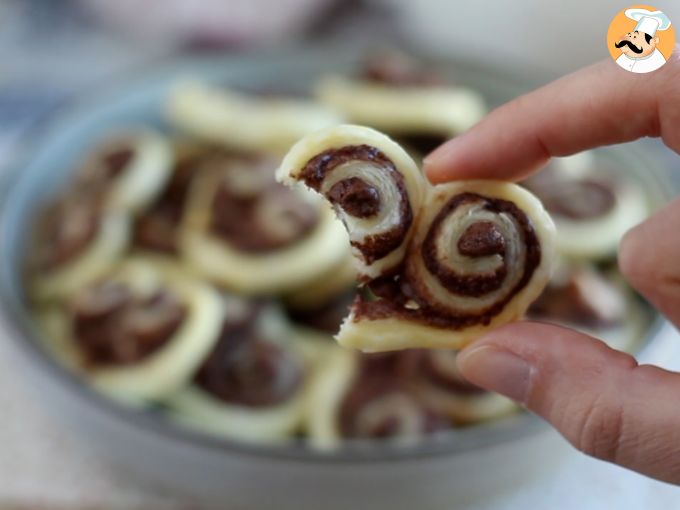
<point>600,399</point>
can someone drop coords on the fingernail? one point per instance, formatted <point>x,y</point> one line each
<point>497,370</point>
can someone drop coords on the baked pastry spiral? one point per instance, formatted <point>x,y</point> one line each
<point>443,263</point>
<point>323,303</point>
<point>243,123</point>
<point>129,168</point>
<point>76,242</point>
<point>592,208</point>
<point>442,387</point>
<point>252,386</point>
<point>360,397</point>
<point>396,95</point>
<point>156,229</point>
<point>599,303</point>
<point>373,184</point>
<point>138,333</point>
<point>250,234</point>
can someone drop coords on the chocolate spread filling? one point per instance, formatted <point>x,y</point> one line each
<point>585,299</point>
<point>481,240</point>
<point>262,215</point>
<point>66,229</point>
<point>575,199</point>
<point>113,162</point>
<point>398,70</point>
<point>69,225</point>
<point>315,171</point>
<point>112,326</point>
<point>487,240</point>
<point>355,197</point>
<point>105,166</point>
<point>156,228</point>
<point>245,369</point>
<point>382,376</point>
<point>583,200</point>
<point>397,296</point>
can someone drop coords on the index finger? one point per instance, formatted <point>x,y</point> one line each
<point>599,105</point>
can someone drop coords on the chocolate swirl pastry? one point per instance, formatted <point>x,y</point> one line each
<point>397,96</point>
<point>114,327</point>
<point>140,332</point>
<point>244,123</point>
<point>157,228</point>
<point>442,263</point>
<point>441,386</point>
<point>374,186</point>
<point>580,296</point>
<point>76,242</point>
<point>129,169</point>
<point>369,397</point>
<point>592,208</point>
<point>250,234</point>
<point>252,385</point>
<point>598,303</point>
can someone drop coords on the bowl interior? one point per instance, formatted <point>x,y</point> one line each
<point>57,145</point>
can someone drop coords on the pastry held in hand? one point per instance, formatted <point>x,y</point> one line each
<point>444,263</point>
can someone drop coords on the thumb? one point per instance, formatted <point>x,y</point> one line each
<point>599,399</point>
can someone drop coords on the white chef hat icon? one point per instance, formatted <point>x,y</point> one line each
<point>648,21</point>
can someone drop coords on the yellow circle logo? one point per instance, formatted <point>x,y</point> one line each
<point>640,39</point>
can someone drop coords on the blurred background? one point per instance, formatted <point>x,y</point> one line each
<point>52,51</point>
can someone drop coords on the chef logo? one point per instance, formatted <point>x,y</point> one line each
<point>640,39</point>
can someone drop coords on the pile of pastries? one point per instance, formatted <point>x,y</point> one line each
<point>174,274</point>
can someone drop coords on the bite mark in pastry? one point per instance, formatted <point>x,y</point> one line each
<point>130,169</point>
<point>443,263</point>
<point>592,209</point>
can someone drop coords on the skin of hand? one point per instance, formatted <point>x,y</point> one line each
<point>599,399</point>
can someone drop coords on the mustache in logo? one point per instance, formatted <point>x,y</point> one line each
<point>626,42</point>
